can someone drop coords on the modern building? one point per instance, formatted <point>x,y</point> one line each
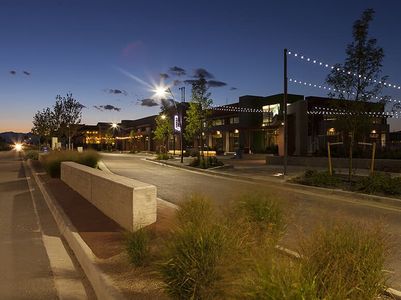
<point>254,124</point>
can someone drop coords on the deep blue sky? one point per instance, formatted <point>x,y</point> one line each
<point>80,47</point>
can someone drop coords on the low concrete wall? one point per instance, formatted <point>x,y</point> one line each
<point>129,202</point>
<point>386,165</point>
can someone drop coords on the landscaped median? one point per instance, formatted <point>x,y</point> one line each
<point>381,184</point>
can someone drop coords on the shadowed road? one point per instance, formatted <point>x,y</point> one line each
<point>305,209</point>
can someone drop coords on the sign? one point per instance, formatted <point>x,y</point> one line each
<point>177,126</point>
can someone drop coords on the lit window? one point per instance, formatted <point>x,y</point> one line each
<point>269,112</point>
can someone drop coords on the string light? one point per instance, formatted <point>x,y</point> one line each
<point>332,67</point>
<point>323,87</point>
<point>237,109</point>
<point>331,110</point>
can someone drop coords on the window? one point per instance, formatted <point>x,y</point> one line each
<point>234,120</point>
<point>217,122</point>
<point>269,112</point>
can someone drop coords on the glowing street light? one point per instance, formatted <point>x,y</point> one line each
<point>18,147</point>
<point>163,116</point>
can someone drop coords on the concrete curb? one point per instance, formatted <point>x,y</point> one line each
<point>101,283</point>
<point>360,196</point>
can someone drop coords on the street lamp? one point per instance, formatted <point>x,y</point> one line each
<point>162,91</point>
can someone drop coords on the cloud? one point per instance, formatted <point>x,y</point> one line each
<point>116,92</point>
<point>164,75</point>
<point>107,107</point>
<point>216,83</point>
<point>13,72</point>
<point>233,88</point>
<point>26,73</point>
<point>211,83</point>
<point>201,72</point>
<point>167,102</point>
<point>177,71</point>
<point>148,102</point>
<point>189,81</point>
<point>177,82</point>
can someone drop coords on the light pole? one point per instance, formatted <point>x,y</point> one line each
<point>285,113</point>
<point>161,91</point>
<point>69,137</point>
<point>182,89</point>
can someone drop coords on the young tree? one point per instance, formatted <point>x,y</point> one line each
<point>42,125</point>
<point>67,114</point>
<point>164,129</point>
<point>61,121</point>
<point>357,80</point>
<point>197,122</point>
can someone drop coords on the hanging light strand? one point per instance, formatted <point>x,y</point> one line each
<point>323,87</point>
<point>332,67</point>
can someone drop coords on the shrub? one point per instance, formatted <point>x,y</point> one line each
<point>380,183</point>
<point>163,156</point>
<point>194,162</point>
<point>345,261</point>
<point>88,158</point>
<point>52,161</point>
<point>137,247</point>
<point>205,162</point>
<point>31,154</point>
<point>264,215</point>
<point>322,179</point>
<point>197,254</point>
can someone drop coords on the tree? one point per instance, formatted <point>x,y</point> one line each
<point>357,80</point>
<point>42,125</point>
<point>198,112</point>
<point>61,121</point>
<point>164,129</point>
<point>67,114</point>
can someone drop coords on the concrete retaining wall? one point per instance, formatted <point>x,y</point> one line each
<point>129,202</point>
<point>386,165</point>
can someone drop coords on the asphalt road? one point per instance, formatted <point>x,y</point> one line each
<point>34,262</point>
<point>305,209</point>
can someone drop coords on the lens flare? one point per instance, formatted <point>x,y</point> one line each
<point>18,147</point>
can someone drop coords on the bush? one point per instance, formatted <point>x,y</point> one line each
<point>52,161</point>
<point>137,247</point>
<point>345,261</point>
<point>163,156</point>
<point>205,162</point>
<point>264,215</point>
<point>322,179</point>
<point>380,184</point>
<point>197,254</point>
<point>31,154</point>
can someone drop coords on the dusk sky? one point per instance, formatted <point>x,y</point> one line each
<point>89,48</point>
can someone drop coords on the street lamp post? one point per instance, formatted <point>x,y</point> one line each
<point>160,91</point>
<point>285,113</point>
<point>182,89</point>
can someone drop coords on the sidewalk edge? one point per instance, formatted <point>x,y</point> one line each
<point>101,283</point>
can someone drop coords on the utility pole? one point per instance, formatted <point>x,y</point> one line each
<point>182,89</point>
<point>285,113</point>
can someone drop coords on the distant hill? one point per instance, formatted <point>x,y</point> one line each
<point>12,137</point>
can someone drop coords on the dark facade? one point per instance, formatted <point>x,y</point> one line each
<point>253,124</point>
